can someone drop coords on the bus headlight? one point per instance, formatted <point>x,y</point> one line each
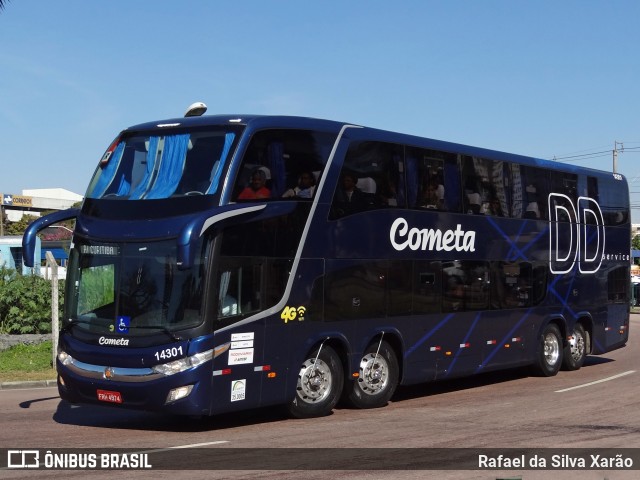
<point>64,358</point>
<point>183,364</point>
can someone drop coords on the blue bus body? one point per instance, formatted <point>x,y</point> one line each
<point>189,291</point>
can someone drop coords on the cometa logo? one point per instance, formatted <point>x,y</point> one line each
<point>402,237</point>
<point>118,342</point>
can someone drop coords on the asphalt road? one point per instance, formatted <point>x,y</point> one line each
<point>594,408</point>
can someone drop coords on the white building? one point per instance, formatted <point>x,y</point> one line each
<point>33,201</point>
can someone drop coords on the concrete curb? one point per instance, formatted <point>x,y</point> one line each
<point>27,384</point>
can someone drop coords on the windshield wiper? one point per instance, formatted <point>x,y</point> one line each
<point>166,330</point>
<point>72,323</point>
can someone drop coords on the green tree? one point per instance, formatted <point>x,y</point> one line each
<point>18,228</point>
<point>25,302</point>
<point>635,242</point>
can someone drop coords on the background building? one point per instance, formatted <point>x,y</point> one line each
<point>33,202</point>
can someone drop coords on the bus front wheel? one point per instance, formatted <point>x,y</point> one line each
<point>319,385</point>
<point>576,349</point>
<point>377,377</point>
<point>549,356</point>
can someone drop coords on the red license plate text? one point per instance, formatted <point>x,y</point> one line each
<point>109,396</point>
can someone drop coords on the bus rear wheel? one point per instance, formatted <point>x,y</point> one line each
<point>377,377</point>
<point>576,350</point>
<point>319,385</point>
<point>549,355</point>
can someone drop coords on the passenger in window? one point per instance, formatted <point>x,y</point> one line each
<point>433,196</point>
<point>305,188</point>
<point>532,211</point>
<point>256,189</point>
<point>387,194</point>
<point>349,198</point>
<point>472,197</point>
<point>474,202</point>
<point>495,208</point>
<point>454,293</point>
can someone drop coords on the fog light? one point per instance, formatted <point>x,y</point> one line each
<point>61,380</point>
<point>178,393</point>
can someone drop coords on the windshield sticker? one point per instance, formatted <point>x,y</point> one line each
<point>241,336</point>
<point>123,323</point>
<point>238,390</point>
<point>241,356</point>
<point>242,344</point>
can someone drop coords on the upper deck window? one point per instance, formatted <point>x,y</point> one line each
<point>282,164</point>
<point>154,166</point>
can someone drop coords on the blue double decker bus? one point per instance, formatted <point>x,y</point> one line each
<point>222,263</point>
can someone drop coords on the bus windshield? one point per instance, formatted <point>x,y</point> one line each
<point>159,164</point>
<point>132,288</point>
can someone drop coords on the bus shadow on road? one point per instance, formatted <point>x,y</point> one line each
<point>117,418</point>
<point>455,384</point>
<point>479,380</point>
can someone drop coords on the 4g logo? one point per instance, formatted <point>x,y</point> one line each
<point>293,313</point>
<point>576,234</point>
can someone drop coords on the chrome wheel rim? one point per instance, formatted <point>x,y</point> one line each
<point>577,346</point>
<point>314,381</point>
<point>374,373</point>
<point>551,349</point>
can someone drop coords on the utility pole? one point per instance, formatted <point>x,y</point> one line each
<point>615,155</point>
<point>53,265</point>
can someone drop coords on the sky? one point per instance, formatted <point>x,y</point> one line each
<point>546,78</point>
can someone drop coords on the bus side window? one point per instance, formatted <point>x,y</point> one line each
<point>511,286</point>
<point>371,178</point>
<point>465,285</point>
<point>530,191</point>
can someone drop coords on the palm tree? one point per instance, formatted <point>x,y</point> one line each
<point>1,4</point>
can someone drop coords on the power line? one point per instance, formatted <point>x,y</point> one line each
<point>585,155</point>
<point>618,147</point>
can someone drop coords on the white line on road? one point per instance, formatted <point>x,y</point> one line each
<point>177,447</point>
<point>597,381</point>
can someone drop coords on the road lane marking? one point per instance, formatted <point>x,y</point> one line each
<point>178,447</point>
<point>597,381</point>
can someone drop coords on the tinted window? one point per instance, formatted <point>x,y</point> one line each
<point>372,177</point>
<point>465,285</point>
<point>530,190</point>
<point>282,164</point>
<point>433,180</point>
<point>486,187</point>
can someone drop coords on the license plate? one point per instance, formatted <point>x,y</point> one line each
<point>109,396</point>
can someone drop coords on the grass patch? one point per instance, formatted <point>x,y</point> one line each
<point>26,362</point>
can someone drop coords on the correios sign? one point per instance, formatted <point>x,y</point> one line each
<point>16,200</point>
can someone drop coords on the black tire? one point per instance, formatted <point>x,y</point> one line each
<point>576,349</point>
<point>378,377</point>
<point>549,354</point>
<point>319,384</point>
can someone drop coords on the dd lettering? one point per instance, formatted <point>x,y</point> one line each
<point>576,234</point>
